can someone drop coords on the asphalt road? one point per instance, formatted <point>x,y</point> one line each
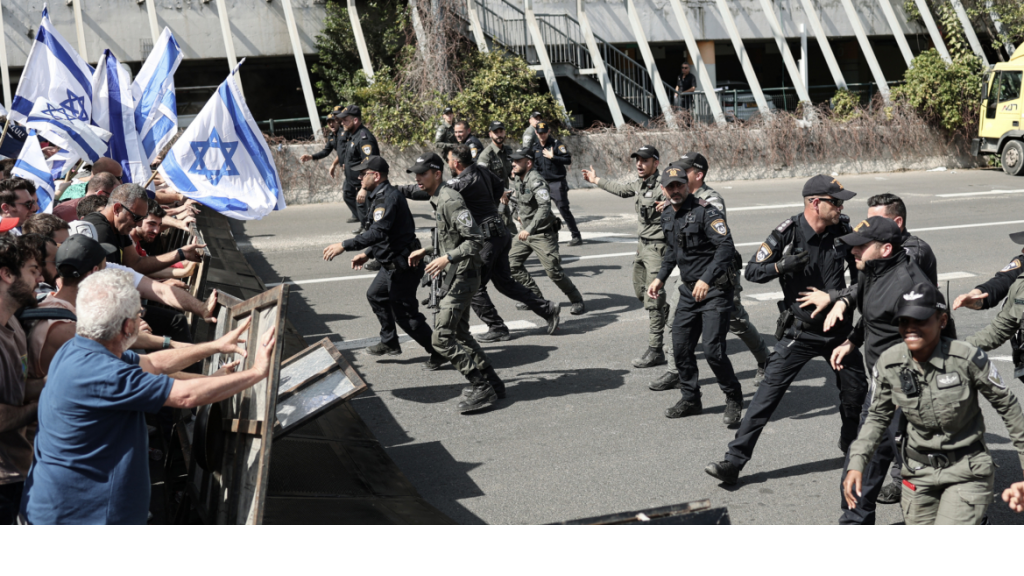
<point>580,434</point>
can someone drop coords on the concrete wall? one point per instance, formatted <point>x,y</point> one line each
<point>258,26</point>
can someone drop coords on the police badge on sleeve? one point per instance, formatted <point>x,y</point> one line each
<point>763,253</point>
<point>720,227</point>
<point>378,213</point>
<point>465,218</point>
<point>367,149</point>
<point>543,194</point>
<point>561,149</point>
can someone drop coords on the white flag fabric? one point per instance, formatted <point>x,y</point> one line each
<point>32,165</point>
<point>57,125</point>
<point>223,161</point>
<point>56,72</point>
<point>156,110</point>
<point>61,163</point>
<point>113,109</point>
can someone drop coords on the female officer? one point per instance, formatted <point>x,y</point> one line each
<point>948,474</point>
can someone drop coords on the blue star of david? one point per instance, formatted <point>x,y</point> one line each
<point>56,112</point>
<point>75,105</point>
<point>200,148</point>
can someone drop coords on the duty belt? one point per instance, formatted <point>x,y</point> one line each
<point>650,241</point>
<point>940,460</point>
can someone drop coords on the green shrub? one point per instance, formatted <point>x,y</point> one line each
<point>845,106</point>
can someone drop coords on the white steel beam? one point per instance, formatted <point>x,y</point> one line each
<point>744,58</point>
<point>652,67</point>
<point>300,63</point>
<point>542,53</point>
<point>897,31</point>
<point>865,47</point>
<point>998,23</point>
<point>229,43</point>
<point>972,38</point>
<point>154,28</point>
<point>79,29</point>
<point>602,73</point>
<point>933,30</point>
<point>357,31</point>
<point>826,49</point>
<point>474,25</point>
<point>5,75</point>
<point>787,56</point>
<point>698,62</point>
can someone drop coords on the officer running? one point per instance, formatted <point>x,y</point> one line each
<point>700,244</point>
<point>550,158</point>
<point>650,250</point>
<point>948,474</point>
<point>803,254</point>
<point>459,240</point>
<point>530,203</point>
<point>361,145</point>
<point>390,239</point>
<point>337,141</point>
<point>495,158</point>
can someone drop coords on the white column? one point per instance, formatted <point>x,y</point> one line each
<point>5,75</point>
<point>972,38</point>
<point>865,47</point>
<point>652,68</point>
<point>154,28</point>
<point>542,53</point>
<point>79,29</point>
<point>229,43</point>
<point>474,25</point>
<point>357,31</point>
<point>999,26</point>
<point>602,73</point>
<point>698,61</point>
<point>300,63</point>
<point>897,31</point>
<point>804,74</point>
<point>826,49</point>
<point>787,56</point>
<point>933,30</point>
<point>744,58</point>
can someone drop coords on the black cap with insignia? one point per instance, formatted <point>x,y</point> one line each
<point>921,302</point>
<point>646,152</point>
<point>335,113</point>
<point>374,163</point>
<point>692,160</point>
<point>535,115</point>
<point>496,125</point>
<point>427,162</point>
<point>822,185</point>
<point>352,110</point>
<point>521,153</point>
<point>542,128</point>
<point>876,228</point>
<point>673,174</point>
<point>448,110</point>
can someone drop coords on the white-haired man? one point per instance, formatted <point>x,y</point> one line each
<point>91,464</point>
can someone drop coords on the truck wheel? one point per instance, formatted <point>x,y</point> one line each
<point>1013,158</point>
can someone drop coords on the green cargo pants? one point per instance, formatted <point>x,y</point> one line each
<point>545,244</point>
<point>646,265</point>
<point>451,337</point>
<point>959,494</point>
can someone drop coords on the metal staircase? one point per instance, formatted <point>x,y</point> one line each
<point>504,25</point>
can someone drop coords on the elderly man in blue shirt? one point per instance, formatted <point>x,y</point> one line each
<point>90,464</point>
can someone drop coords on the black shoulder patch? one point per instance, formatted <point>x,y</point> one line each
<point>980,359</point>
<point>785,224</point>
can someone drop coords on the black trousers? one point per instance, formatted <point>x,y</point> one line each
<point>392,297</point>
<point>874,475</point>
<point>349,191</point>
<point>496,267</point>
<point>10,502</point>
<point>560,197</point>
<point>708,319</point>
<point>168,322</point>
<point>790,355</point>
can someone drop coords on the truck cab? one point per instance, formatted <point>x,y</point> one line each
<point>1001,118</point>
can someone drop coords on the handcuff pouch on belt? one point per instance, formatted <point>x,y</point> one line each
<point>784,321</point>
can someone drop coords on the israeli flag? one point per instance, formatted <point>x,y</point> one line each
<point>113,110</point>
<point>32,165</point>
<point>223,161</point>
<point>56,72</point>
<point>62,162</point>
<point>156,108</point>
<point>60,127</point>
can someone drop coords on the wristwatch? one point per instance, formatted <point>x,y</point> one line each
<point>181,255</point>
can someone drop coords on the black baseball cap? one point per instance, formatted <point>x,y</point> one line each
<point>375,163</point>
<point>646,152</point>
<point>335,113</point>
<point>822,185</point>
<point>427,162</point>
<point>921,302</point>
<point>535,115</point>
<point>542,128</point>
<point>692,160</point>
<point>521,153</point>
<point>79,254</point>
<point>876,228</point>
<point>673,174</point>
<point>496,125</point>
<point>352,110</point>
<point>448,110</point>
<point>1017,237</point>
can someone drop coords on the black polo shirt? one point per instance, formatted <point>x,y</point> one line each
<point>106,233</point>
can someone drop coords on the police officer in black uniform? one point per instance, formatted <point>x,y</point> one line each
<point>700,244</point>
<point>337,141</point>
<point>803,254</point>
<point>992,291</point>
<point>463,135</point>
<point>361,145</point>
<point>390,239</point>
<point>550,158</point>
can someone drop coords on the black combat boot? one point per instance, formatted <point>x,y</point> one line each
<point>553,317</point>
<point>380,349</point>
<point>668,381</point>
<point>493,334</point>
<point>684,408</point>
<point>435,362</point>
<point>890,494</point>
<point>733,412</point>
<point>577,308</point>
<point>725,471</point>
<point>482,395</point>
<point>652,357</point>
<point>495,381</point>
<point>759,377</point>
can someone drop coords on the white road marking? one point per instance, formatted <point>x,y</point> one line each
<point>769,207</point>
<point>513,326</point>
<point>1001,358</point>
<point>978,225</point>
<point>989,193</point>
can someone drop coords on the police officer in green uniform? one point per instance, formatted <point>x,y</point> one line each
<point>696,166</point>
<point>530,201</point>
<point>646,188</point>
<point>459,241</point>
<point>444,138</point>
<point>495,158</point>
<point>530,134</point>
<point>948,475</point>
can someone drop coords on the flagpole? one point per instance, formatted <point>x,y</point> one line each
<point>151,178</point>
<point>6,126</point>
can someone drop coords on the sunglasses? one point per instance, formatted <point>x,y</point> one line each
<point>833,201</point>
<point>135,217</point>
<point>28,205</point>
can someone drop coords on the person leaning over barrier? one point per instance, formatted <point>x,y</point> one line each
<point>91,455</point>
<point>948,474</point>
